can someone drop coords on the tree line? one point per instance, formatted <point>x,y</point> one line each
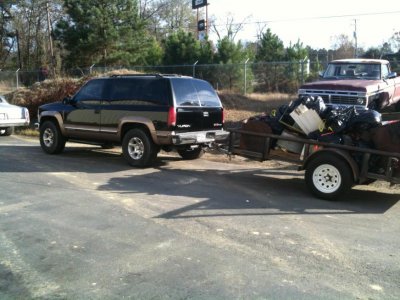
<point>64,34</point>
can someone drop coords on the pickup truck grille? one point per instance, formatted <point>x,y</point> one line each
<point>343,98</point>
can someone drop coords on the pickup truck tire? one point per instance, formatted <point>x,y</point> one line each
<point>190,153</point>
<point>51,139</point>
<point>397,106</point>
<point>138,148</point>
<point>328,177</point>
<point>6,131</point>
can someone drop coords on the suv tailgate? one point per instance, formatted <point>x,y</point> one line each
<point>198,105</point>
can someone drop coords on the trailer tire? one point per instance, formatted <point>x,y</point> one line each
<point>327,176</point>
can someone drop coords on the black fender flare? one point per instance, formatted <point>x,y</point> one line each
<point>46,115</point>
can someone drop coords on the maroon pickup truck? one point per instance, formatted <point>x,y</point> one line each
<point>361,82</point>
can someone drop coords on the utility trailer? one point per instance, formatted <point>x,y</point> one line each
<point>330,169</point>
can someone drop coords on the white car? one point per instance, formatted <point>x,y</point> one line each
<point>11,116</point>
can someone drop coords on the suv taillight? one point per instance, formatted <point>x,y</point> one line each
<point>171,116</point>
<point>223,116</point>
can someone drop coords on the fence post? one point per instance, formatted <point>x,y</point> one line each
<point>194,68</point>
<point>307,61</point>
<point>245,76</point>
<point>16,73</point>
<point>302,71</point>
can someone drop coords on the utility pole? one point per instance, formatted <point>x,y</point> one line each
<point>355,38</point>
<point>18,49</point>
<point>53,65</point>
<point>202,25</point>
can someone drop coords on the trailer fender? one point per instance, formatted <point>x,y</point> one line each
<point>340,153</point>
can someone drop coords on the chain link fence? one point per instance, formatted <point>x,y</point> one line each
<point>247,77</point>
<point>243,78</point>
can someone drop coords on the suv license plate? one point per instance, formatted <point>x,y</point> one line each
<point>210,135</point>
<point>205,137</point>
<point>201,138</point>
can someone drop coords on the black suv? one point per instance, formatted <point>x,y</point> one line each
<point>143,113</point>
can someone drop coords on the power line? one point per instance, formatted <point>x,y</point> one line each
<point>316,18</point>
<point>296,19</point>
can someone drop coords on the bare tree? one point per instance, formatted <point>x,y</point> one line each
<point>7,35</point>
<point>28,28</point>
<point>343,47</point>
<point>394,42</point>
<point>149,8</point>
<point>166,16</point>
<point>230,28</point>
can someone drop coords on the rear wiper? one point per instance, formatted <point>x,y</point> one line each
<point>189,103</point>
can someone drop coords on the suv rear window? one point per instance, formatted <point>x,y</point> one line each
<point>194,92</point>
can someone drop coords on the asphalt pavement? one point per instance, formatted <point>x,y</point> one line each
<point>86,225</point>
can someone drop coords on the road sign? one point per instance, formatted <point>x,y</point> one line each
<point>198,3</point>
<point>201,25</point>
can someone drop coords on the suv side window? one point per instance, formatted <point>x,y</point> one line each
<point>92,90</point>
<point>142,91</point>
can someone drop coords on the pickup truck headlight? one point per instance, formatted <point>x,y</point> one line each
<point>361,101</point>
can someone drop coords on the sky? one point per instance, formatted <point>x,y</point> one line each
<point>315,23</point>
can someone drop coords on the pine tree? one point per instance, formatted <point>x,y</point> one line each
<point>104,32</point>
<point>267,71</point>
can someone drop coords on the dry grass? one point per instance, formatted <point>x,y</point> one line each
<point>5,88</point>
<point>27,132</point>
<point>239,107</point>
<point>44,92</point>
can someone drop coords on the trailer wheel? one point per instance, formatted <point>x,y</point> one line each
<point>327,177</point>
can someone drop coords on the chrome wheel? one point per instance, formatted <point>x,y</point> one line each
<point>48,137</point>
<point>51,139</point>
<point>327,178</point>
<point>136,148</point>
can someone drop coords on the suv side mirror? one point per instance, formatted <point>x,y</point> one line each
<point>68,100</point>
<point>321,74</point>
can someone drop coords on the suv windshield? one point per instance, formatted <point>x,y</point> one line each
<point>194,92</point>
<point>351,70</point>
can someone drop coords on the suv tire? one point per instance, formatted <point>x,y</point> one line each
<point>6,131</point>
<point>51,139</point>
<point>190,153</point>
<point>138,148</point>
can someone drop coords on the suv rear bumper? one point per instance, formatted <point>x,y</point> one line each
<point>13,123</point>
<point>199,137</point>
